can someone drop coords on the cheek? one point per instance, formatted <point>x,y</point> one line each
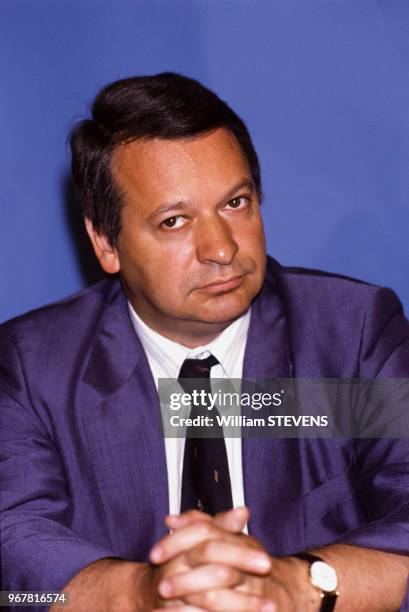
<point>174,261</point>
<point>252,241</point>
<point>168,276</point>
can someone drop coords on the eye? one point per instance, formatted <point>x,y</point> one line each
<point>173,222</point>
<point>239,202</point>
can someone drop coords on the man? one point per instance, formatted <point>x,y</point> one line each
<point>170,188</point>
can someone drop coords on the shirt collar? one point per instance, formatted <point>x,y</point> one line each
<point>172,354</point>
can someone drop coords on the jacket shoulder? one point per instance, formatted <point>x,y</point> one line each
<point>334,319</point>
<point>78,312</point>
<point>327,291</point>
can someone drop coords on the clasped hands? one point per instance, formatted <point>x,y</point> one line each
<point>207,563</point>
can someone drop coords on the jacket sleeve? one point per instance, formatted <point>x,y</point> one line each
<point>383,461</point>
<point>39,551</point>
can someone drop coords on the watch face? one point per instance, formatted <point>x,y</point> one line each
<point>323,576</point>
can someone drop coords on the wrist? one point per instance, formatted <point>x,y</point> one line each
<point>116,585</point>
<point>139,586</point>
<point>307,597</point>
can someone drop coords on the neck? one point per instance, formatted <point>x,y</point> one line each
<point>192,338</point>
<point>189,334</point>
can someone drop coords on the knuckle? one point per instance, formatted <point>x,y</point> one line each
<point>196,514</point>
<point>223,573</point>
<point>227,576</point>
<point>210,598</point>
<point>204,529</point>
<point>208,548</point>
<point>254,603</point>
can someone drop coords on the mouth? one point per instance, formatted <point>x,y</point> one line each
<point>225,284</point>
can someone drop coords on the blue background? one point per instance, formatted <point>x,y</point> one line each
<point>322,85</point>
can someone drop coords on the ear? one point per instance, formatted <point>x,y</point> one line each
<point>107,254</point>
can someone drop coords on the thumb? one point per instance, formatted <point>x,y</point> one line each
<point>233,520</point>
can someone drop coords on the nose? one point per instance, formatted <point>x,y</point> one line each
<point>215,242</point>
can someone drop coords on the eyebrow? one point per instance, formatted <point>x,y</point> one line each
<point>182,205</point>
<point>166,208</point>
<point>244,183</point>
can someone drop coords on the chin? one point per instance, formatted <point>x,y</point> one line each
<point>225,313</point>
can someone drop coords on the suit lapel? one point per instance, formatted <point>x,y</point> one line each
<point>272,485</point>
<point>124,434</point>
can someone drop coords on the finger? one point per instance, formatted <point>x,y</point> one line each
<point>185,538</point>
<point>220,600</point>
<point>207,576</point>
<point>232,554</point>
<point>177,521</point>
<point>233,520</point>
<point>246,556</point>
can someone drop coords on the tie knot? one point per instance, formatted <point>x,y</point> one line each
<point>197,368</point>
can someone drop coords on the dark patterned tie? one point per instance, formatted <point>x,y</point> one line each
<point>206,478</point>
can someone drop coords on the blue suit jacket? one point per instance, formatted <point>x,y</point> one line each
<point>82,460</point>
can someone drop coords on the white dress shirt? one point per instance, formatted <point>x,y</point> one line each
<point>165,358</point>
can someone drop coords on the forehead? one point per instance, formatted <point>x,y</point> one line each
<point>180,168</point>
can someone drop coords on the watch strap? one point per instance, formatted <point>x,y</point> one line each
<point>305,556</point>
<point>328,600</point>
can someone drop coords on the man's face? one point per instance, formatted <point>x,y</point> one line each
<point>191,251</point>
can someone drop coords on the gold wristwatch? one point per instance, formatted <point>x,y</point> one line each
<point>324,578</point>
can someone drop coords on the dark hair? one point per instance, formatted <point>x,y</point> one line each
<point>167,106</point>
